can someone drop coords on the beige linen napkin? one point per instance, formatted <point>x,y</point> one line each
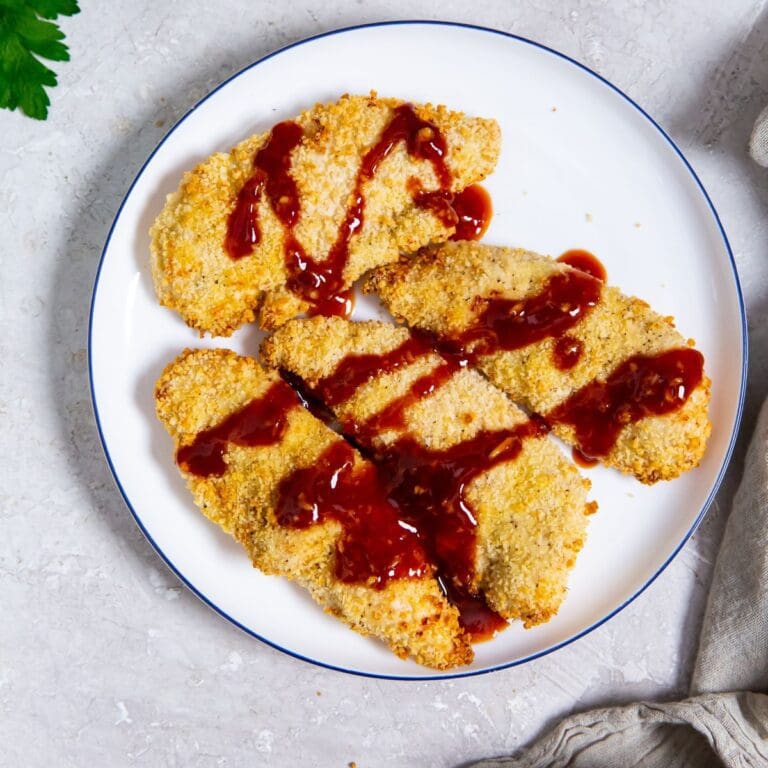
<point>725,721</point>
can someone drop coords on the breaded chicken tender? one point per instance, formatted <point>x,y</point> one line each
<point>446,289</point>
<point>531,511</point>
<point>202,389</point>
<point>195,275</point>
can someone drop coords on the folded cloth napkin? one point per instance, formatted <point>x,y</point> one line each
<point>725,720</point>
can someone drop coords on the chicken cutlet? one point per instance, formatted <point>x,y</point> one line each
<point>303,503</point>
<point>611,376</point>
<point>289,219</point>
<point>502,510</point>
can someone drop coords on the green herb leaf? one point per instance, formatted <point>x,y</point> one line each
<point>27,31</point>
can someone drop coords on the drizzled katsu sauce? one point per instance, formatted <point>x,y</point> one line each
<point>355,370</point>
<point>428,486</point>
<point>586,262</point>
<point>375,545</point>
<point>321,283</point>
<point>271,175</point>
<point>474,210</point>
<point>261,422</point>
<point>406,518</point>
<point>581,460</point>
<point>392,416</point>
<point>567,352</point>
<point>641,386</point>
<point>507,324</point>
<point>308,398</point>
<point>475,615</point>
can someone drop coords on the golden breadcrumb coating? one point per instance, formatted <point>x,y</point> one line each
<point>435,291</point>
<point>199,390</point>
<point>215,294</point>
<point>531,512</point>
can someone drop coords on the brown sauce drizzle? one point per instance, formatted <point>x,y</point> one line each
<point>508,324</point>
<point>355,370</point>
<point>261,422</point>
<point>375,545</point>
<point>641,386</point>
<point>428,486</point>
<point>581,460</point>
<point>339,304</point>
<point>475,615</point>
<point>474,210</point>
<point>586,262</point>
<point>392,416</point>
<point>321,283</point>
<point>271,174</point>
<point>407,517</point>
<point>567,352</point>
<point>429,489</point>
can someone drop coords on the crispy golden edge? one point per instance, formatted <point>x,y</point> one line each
<point>214,294</point>
<point>532,512</point>
<point>436,289</point>
<point>198,390</point>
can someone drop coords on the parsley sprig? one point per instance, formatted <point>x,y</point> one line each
<point>28,31</point>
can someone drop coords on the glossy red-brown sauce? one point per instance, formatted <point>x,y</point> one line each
<point>321,283</point>
<point>243,230</point>
<point>261,422</point>
<point>375,545</point>
<point>507,324</point>
<point>428,486</point>
<point>271,175</point>
<point>586,262</point>
<point>406,518</point>
<point>581,460</point>
<point>475,615</point>
<point>338,304</point>
<point>318,282</point>
<point>474,210</point>
<point>355,370</point>
<point>392,416</point>
<point>567,352</point>
<point>641,386</point>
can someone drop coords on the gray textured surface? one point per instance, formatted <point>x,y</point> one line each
<point>104,657</point>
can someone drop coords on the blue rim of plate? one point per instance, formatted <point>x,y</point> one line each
<point>699,517</point>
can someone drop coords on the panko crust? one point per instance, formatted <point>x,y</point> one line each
<point>436,289</point>
<point>201,388</point>
<point>532,512</point>
<point>215,294</point>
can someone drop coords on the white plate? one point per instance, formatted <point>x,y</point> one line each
<point>581,166</point>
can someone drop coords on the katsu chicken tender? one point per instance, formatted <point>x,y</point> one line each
<point>437,291</point>
<point>531,511</point>
<point>193,273</point>
<point>198,391</point>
